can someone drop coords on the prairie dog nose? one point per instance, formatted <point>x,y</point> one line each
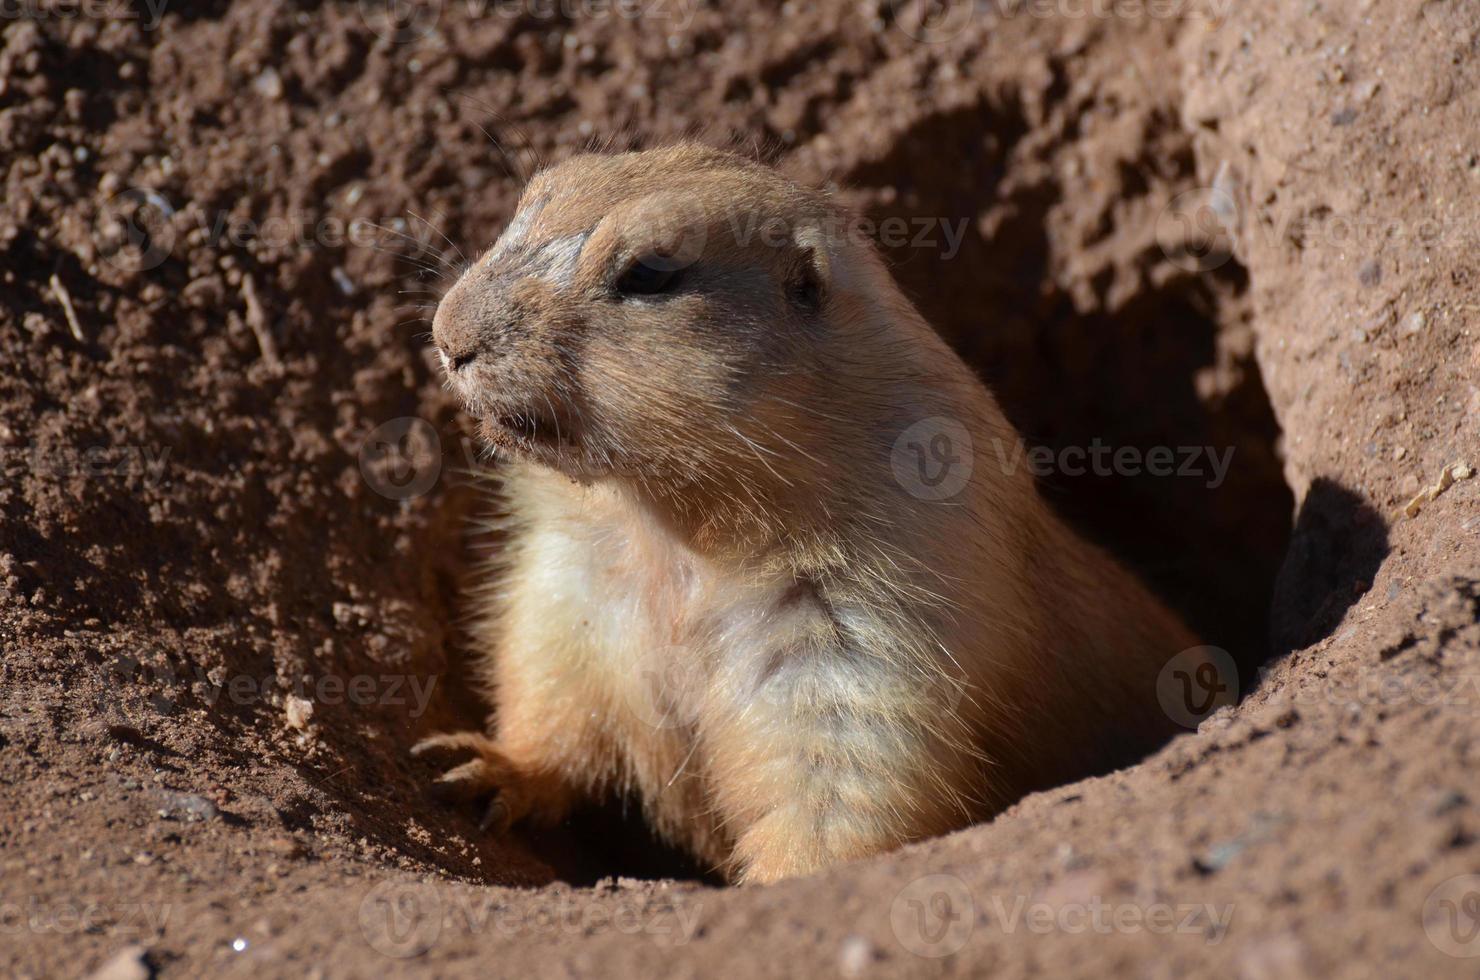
<point>457,326</point>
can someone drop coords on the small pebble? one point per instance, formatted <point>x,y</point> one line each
<point>186,806</point>
<point>269,84</point>
<point>855,955</point>
<point>299,711</point>
<point>129,963</point>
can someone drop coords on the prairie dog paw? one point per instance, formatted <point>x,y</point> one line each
<point>512,793</point>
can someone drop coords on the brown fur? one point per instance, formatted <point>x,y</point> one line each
<point>716,594</point>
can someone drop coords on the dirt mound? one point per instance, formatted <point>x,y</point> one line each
<point>237,509</point>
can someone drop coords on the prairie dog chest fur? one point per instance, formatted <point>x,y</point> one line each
<point>720,692</point>
<point>664,640</point>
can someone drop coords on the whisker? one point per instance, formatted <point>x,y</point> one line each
<point>510,165</point>
<point>439,231</point>
<point>422,247</point>
<point>401,256</point>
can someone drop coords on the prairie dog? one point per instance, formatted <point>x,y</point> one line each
<point>723,590</point>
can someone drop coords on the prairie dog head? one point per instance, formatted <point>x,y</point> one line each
<point>676,315</point>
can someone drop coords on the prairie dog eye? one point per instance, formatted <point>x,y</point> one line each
<point>648,275</point>
<point>804,287</point>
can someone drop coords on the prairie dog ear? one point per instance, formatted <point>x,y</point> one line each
<point>810,278</point>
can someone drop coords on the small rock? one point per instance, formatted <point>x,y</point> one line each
<point>186,806</point>
<point>269,84</point>
<point>1370,274</point>
<point>129,963</point>
<point>36,324</point>
<point>1415,322</point>
<point>1217,858</point>
<point>855,955</point>
<point>299,711</point>
<point>342,280</point>
<point>1447,477</point>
